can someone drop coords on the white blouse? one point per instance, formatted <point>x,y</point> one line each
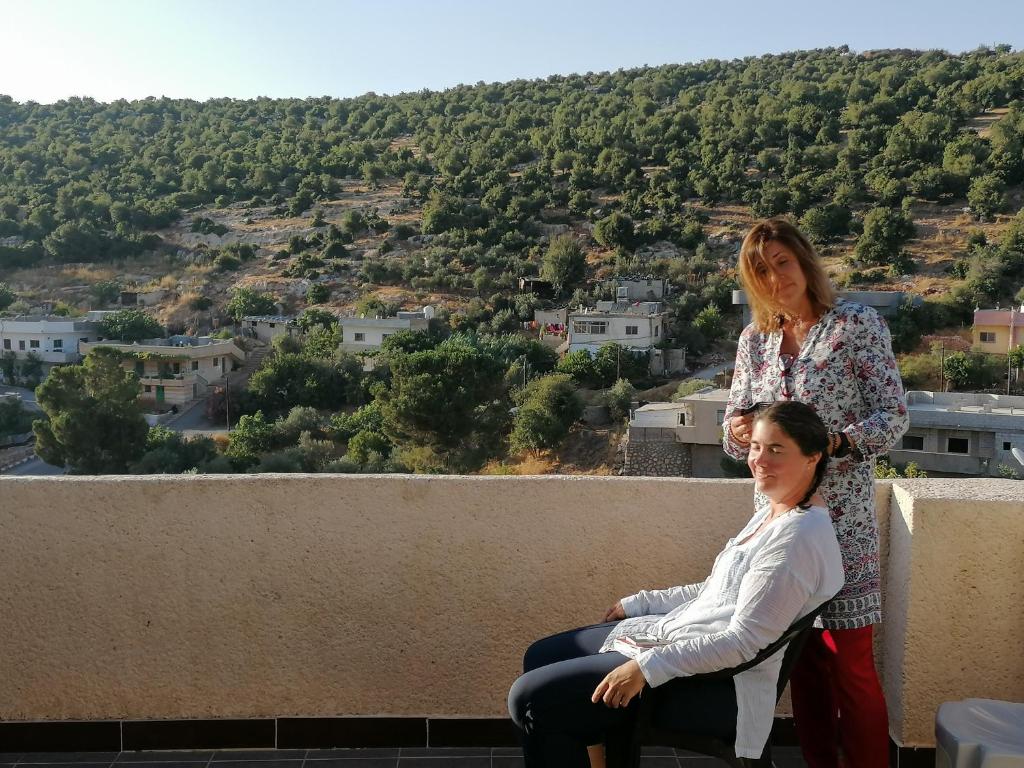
<point>758,586</point>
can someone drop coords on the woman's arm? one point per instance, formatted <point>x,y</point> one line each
<point>739,396</point>
<point>772,595</point>
<point>878,381</point>
<point>648,601</point>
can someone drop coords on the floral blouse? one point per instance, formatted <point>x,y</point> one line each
<point>846,371</point>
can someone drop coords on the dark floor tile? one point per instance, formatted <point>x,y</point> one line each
<point>446,752</point>
<point>56,764</point>
<point>198,734</point>
<point>258,754</point>
<point>658,751</point>
<point>358,762</point>
<point>259,764</point>
<point>69,757</point>
<point>658,762</point>
<point>916,758</point>
<point>173,756</point>
<point>506,752</point>
<point>68,737</point>
<point>345,754</point>
<point>507,762</point>
<point>472,732</point>
<point>352,732</point>
<point>444,762</point>
<point>153,764</point>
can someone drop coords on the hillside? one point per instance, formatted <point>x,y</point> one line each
<point>904,167</point>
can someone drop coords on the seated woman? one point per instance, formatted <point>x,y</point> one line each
<point>579,685</point>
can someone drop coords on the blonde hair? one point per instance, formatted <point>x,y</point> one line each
<point>768,314</point>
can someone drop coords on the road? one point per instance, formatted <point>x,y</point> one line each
<point>35,466</point>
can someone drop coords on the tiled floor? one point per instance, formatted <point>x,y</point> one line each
<point>484,757</point>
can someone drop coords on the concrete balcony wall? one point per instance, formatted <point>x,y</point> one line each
<point>258,596</point>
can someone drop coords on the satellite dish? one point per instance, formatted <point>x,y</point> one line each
<point>1018,454</point>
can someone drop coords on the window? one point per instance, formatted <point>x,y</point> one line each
<point>593,327</point>
<point>385,335</point>
<point>273,325</point>
<point>33,343</point>
<point>7,343</point>
<point>195,365</point>
<point>140,368</point>
<point>632,330</point>
<point>147,388</point>
<point>913,443</point>
<point>657,330</point>
<point>58,345</point>
<point>216,362</point>
<point>988,337</point>
<point>957,445</point>
<point>720,415</point>
<point>177,368</point>
<point>1006,445</point>
<point>359,337</point>
<point>21,345</point>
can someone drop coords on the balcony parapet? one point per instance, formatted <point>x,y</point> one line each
<point>180,597</point>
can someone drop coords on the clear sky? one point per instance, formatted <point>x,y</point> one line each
<point>110,49</point>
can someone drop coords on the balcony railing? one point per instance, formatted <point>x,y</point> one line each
<point>183,597</point>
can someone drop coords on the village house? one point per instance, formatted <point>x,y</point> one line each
<point>55,339</point>
<point>266,328</point>
<point>176,370</point>
<point>962,433</point>
<point>640,288</point>
<point>365,334</point>
<point>998,330</point>
<point>636,327</point>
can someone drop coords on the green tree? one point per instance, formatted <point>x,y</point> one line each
<point>95,425</point>
<point>547,407</point>
<point>615,231</point>
<point>987,196</point>
<point>313,317</point>
<point>580,366</point>
<point>449,399</point>
<point>14,418</point>
<point>885,231</point>
<point>246,301</point>
<point>251,437</point>
<point>710,323</point>
<point>169,452</point>
<point>287,380</point>
<point>564,263</point>
<point>130,325</point>
<point>7,296</point>
<point>318,293</point>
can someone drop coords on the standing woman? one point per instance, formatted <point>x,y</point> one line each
<point>808,345</point>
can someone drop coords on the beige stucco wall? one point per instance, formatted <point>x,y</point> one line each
<point>180,597</point>
<point>955,599</point>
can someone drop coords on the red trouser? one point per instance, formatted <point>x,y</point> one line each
<point>838,701</point>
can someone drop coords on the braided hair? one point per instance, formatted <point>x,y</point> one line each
<point>800,422</point>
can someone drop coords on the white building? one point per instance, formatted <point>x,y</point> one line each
<point>637,327</point>
<point>640,288</point>
<point>962,433</point>
<point>266,328</point>
<point>695,421</point>
<point>53,338</point>
<point>176,370</point>
<point>364,334</point>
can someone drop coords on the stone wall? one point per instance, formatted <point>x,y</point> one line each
<point>657,459</point>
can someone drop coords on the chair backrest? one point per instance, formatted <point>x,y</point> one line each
<point>795,636</point>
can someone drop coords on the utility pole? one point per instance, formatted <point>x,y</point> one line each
<point>942,366</point>
<point>227,402</point>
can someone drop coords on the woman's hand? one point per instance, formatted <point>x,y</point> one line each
<point>740,427</point>
<point>620,685</point>
<point>615,613</point>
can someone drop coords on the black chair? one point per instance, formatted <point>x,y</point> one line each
<point>623,748</point>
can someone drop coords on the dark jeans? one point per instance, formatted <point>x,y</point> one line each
<point>551,704</point>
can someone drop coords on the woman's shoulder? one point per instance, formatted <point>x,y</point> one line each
<point>809,523</point>
<point>846,310</point>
